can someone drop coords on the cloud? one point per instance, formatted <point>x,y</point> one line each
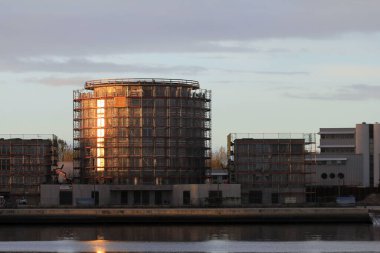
<point>355,92</point>
<point>290,73</point>
<point>261,72</point>
<point>80,65</point>
<point>58,81</point>
<point>351,71</point>
<point>86,27</point>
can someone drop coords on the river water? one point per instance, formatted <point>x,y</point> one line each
<point>190,238</point>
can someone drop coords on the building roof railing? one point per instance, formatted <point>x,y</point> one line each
<point>27,136</point>
<point>141,81</point>
<point>307,136</point>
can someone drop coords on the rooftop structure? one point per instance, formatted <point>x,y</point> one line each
<point>142,131</point>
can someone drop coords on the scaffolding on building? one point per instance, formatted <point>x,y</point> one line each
<point>279,160</point>
<point>26,161</point>
<point>141,131</point>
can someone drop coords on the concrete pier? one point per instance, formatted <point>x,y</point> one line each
<point>187,215</point>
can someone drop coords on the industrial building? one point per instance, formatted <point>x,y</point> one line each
<point>349,156</point>
<point>142,132</point>
<point>271,168</point>
<point>26,162</point>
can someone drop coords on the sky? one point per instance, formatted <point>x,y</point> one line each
<point>272,65</point>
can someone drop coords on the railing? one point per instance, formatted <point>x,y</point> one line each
<point>151,81</point>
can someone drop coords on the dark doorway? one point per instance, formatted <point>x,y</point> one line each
<point>137,197</point>
<point>65,198</point>
<point>145,198</point>
<point>215,197</point>
<point>255,197</point>
<point>275,198</point>
<point>158,197</point>
<point>95,197</point>
<point>186,197</point>
<point>124,197</point>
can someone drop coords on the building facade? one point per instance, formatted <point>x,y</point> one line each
<point>25,164</point>
<point>110,195</point>
<point>349,156</point>
<point>270,170</point>
<point>142,132</point>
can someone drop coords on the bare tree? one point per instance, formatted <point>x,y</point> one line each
<point>219,158</point>
<point>65,151</point>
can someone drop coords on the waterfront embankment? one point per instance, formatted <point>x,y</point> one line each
<point>188,215</point>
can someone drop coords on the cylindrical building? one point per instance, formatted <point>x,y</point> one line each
<point>142,131</point>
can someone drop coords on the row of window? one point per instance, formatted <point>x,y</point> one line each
<point>332,175</point>
<point>138,198</point>
<point>256,197</point>
<point>6,149</point>
<point>173,104</point>
<point>274,179</point>
<point>337,150</point>
<point>144,122</point>
<point>19,180</point>
<point>339,162</point>
<point>145,132</point>
<point>251,149</point>
<point>144,91</point>
<point>337,136</point>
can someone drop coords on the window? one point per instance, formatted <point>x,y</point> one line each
<point>158,197</point>
<point>145,197</point>
<point>275,199</point>
<point>147,91</point>
<point>124,197</point>
<point>186,197</point>
<point>95,196</point>
<point>340,175</point>
<point>65,198</point>
<point>215,197</point>
<point>137,197</point>
<point>255,197</point>
<point>332,175</point>
<point>135,102</point>
<point>147,132</point>
<point>323,175</point>
<point>100,103</point>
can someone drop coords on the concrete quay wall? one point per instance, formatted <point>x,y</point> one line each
<point>187,215</point>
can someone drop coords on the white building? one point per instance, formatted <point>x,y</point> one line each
<point>349,156</point>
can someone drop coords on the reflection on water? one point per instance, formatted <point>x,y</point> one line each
<point>191,233</point>
<point>195,247</point>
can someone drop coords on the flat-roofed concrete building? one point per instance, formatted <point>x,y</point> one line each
<point>111,195</point>
<point>349,156</point>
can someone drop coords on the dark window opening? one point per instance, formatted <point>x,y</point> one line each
<point>124,197</point>
<point>137,197</point>
<point>275,198</point>
<point>145,197</point>
<point>255,197</point>
<point>95,196</point>
<point>215,197</point>
<point>186,197</point>
<point>66,198</point>
<point>158,197</point>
